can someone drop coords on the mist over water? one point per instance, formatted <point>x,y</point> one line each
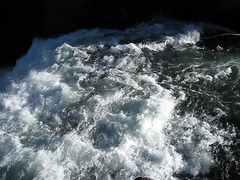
<point>153,100</point>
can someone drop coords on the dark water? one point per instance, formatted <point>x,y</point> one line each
<point>161,100</point>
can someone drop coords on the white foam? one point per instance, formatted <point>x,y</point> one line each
<point>223,73</point>
<point>191,37</point>
<point>85,106</point>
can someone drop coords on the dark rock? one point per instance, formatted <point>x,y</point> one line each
<point>22,21</point>
<point>143,178</point>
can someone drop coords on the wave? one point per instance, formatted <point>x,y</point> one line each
<point>109,104</point>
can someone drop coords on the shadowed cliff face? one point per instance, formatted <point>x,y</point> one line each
<point>25,20</point>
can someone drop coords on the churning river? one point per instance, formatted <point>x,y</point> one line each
<point>160,100</point>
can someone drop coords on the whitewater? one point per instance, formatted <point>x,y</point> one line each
<point>150,101</point>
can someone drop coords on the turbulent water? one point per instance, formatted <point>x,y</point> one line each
<point>160,100</point>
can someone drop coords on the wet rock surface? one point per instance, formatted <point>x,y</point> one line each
<point>143,178</point>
